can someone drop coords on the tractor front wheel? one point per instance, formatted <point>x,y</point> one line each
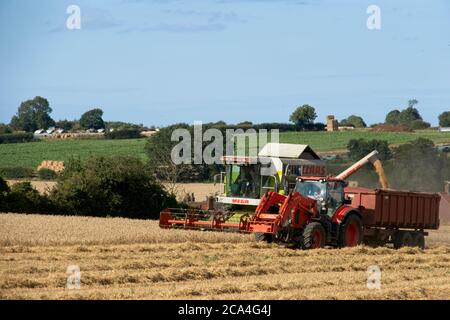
<point>313,236</point>
<point>351,231</point>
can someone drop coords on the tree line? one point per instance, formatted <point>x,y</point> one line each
<point>305,115</point>
<point>35,114</point>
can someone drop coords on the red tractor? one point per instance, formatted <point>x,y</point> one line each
<point>314,215</point>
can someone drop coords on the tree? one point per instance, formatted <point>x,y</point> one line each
<point>412,103</point>
<point>409,115</point>
<point>245,123</point>
<point>5,129</point>
<point>115,186</point>
<point>354,121</point>
<point>159,148</point>
<point>32,115</point>
<point>92,119</point>
<point>359,148</point>
<point>444,119</point>
<point>303,115</point>
<point>393,117</point>
<point>65,124</point>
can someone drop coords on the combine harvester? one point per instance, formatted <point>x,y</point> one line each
<point>245,179</point>
<point>321,211</point>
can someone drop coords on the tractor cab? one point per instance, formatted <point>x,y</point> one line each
<point>328,192</point>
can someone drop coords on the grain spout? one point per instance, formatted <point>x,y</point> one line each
<point>380,171</point>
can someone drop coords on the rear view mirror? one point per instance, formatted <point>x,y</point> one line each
<point>347,201</point>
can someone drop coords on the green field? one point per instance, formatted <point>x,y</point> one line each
<point>329,141</point>
<point>31,154</point>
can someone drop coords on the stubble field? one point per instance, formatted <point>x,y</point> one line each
<point>133,259</point>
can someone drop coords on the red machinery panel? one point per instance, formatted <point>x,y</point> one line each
<point>396,209</point>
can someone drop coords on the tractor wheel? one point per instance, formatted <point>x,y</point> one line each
<point>419,240</point>
<point>263,237</point>
<point>314,236</point>
<point>351,231</point>
<point>403,239</point>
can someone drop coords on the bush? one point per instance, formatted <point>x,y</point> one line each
<point>124,134</point>
<point>3,186</point>
<point>111,186</point>
<point>16,172</point>
<point>419,124</point>
<point>282,127</point>
<point>353,121</point>
<point>47,174</point>
<point>23,198</point>
<point>359,148</point>
<point>5,129</point>
<point>159,147</point>
<point>16,137</point>
<point>444,119</point>
<point>119,125</point>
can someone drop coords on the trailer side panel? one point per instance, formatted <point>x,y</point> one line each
<point>396,209</point>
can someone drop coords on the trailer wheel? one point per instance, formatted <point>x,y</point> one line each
<point>259,236</point>
<point>351,232</point>
<point>403,239</point>
<point>419,240</point>
<point>313,236</point>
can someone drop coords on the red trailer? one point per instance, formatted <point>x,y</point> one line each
<point>397,216</point>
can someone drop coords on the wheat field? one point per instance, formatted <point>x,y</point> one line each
<point>134,259</point>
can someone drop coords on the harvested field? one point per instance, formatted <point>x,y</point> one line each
<point>41,186</point>
<point>201,190</point>
<point>123,259</point>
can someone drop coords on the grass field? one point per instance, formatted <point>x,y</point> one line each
<point>131,259</point>
<point>329,141</point>
<point>31,154</point>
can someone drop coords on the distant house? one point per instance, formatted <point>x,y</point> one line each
<point>101,130</point>
<point>60,130</point>
<point>444,129</point>
<point>345,128</point>
<point>51,130</point>
<point>148,133</point>
<point>39,132</point>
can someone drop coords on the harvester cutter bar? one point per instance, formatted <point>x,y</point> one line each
<point>196,219</point>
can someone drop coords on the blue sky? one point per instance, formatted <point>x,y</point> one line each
<point>165,61</point>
